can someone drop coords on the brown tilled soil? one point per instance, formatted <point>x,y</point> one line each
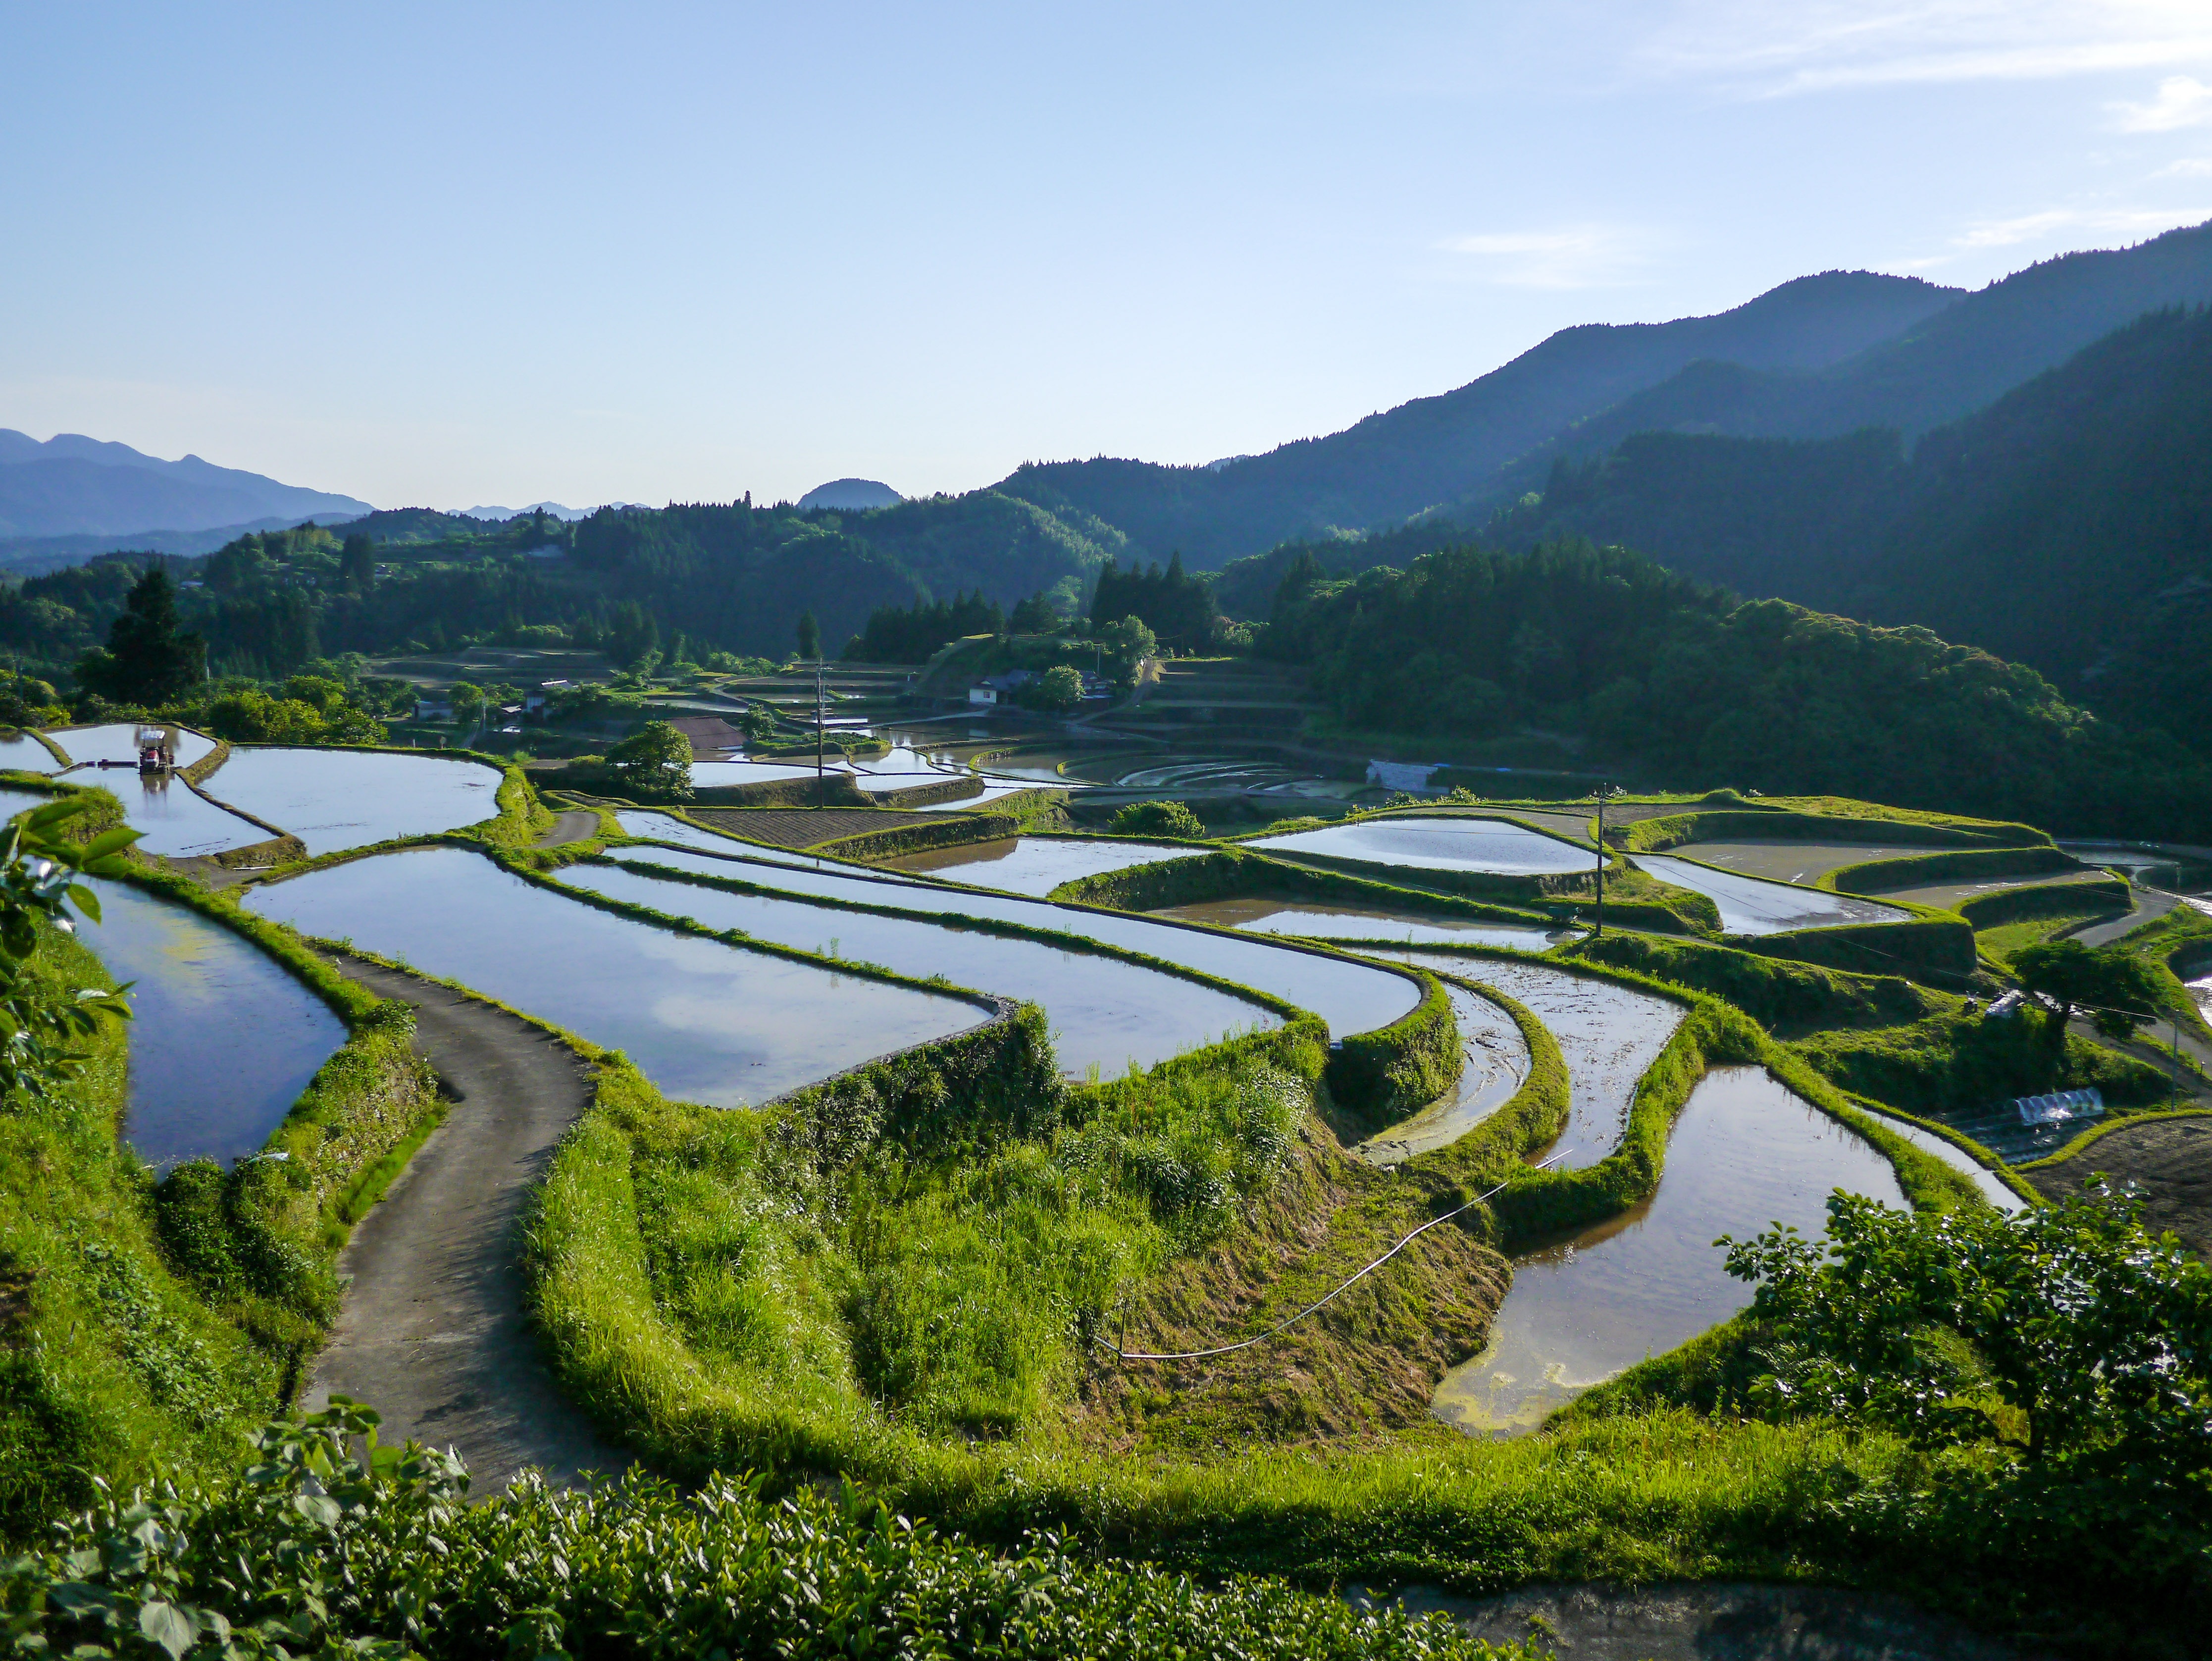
<point>802,827</point>
<point>2167,1161</point>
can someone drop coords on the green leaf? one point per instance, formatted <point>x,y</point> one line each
<point>168,1626</point>
<point>85,899</point>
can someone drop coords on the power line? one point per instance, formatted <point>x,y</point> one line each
<point>1280,1326</point>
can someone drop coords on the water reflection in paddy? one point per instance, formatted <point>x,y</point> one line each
<point>707,1022</point>
<point>1439,845</point>
<point>1353,922</point>
<point>23,753</point>
<point>664,827</point>
<point>223,1038</point>
<point>1104,1014</point>
<point>174,821</point>
<point>1495,1063</point>
<point>1607,1034</point>
<point>119,741</point>
<point>1351,997</point>
<point>1751,905</point>
<point>1992,1188</point>
<point>1745,1154</point>
<point>333,799</point>
<point>1034,865</point>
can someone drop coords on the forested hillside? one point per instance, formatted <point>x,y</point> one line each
<point>1676,681</point>
<point>1434,449</point>
<point>2069,525</point>
<point>1957,360</point>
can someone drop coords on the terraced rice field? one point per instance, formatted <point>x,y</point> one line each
<point>1609,1034</point>
<point>1351,997</point>
<point>1745,1154</point>
<point>707,1022</point>
<point>1751,905</point>
<point>1439,845</point>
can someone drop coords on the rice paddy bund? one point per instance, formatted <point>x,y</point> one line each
<point>879,1168</point>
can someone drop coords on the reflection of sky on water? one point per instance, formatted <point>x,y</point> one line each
<point>223,1038</point>
<point>1439,845</point>
<point>333,799</point>
<point>1744,1154</point>
<point>707,1022</point>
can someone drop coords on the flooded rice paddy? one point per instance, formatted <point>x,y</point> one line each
<point>223,1039</point>
<point>1352,997</point>
<point>1607,1034</point>
<point>1440,844</point>
<point>707,1022</point>
<point>172,820</point>
<point>1104,1014</point>
<point>118,741</point>
<point>1950,895</point>
<point>1495,1064</point>
<point>1783,861</point>
<point>1745,1154</point>
<point>1992,1188</point>
<point>334,799</point>
<point>1306,921</point>
<point>666,827</point>
<point>21,752</point>
<point>1034,865</point>
<point>1752,905</point>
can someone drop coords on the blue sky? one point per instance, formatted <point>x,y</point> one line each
<point>458,253</point>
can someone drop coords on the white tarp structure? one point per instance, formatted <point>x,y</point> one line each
<point>2061,1106</point>
<point>1401,775</point>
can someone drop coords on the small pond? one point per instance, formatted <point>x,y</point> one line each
<point>118,741</point>
<point>1034,865</point>
<point>223,1038</point>
<point>1308,921</point>
<point>1608,1035</point>
<point>707,1022</point>
<point>1496,1063</point>
<point>333,799</point>
<point>1104,1014</point>
<point>1440,844</point>
<point>1751,905</point>
<point>715,774</point>
<point>1352,997</point>
<point>1745,1154</point>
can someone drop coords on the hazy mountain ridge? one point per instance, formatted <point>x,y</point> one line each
<point>73,486</point>
<point>1433,450</point>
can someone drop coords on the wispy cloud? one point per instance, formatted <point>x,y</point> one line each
<point>1585,256</point>
<point>2036,227</point>
<point>1821,44</point>
<point>2191,166</point>
<point>2182,101</point>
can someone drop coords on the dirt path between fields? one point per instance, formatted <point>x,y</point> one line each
<point>434,1332</point>
<point>577,824</point>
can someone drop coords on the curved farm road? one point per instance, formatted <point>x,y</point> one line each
<point>433,1333</point>
<point>575,825</point>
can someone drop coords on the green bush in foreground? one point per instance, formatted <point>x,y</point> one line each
<point>2066,1338</point>
<point>313,1552</point>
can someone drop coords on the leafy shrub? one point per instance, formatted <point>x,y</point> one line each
<point>1158,818</point>
<point>315,1552</point>
<point>655,760</point>
<point>2065,1338</point>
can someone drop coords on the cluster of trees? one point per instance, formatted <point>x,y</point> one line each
<point>908,634</point>
<point>1178,608</point>
<point>1677,681</point>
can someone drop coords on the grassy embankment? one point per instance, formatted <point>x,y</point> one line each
<point>158,1321</point>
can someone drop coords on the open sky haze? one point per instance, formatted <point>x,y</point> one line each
<point>453,253</point>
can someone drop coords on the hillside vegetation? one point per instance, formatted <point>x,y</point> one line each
<point>1673,680</point>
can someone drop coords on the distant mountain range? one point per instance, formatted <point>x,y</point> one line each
<point>554,509</point>
<point>72,485</point>
<point>850,495</point>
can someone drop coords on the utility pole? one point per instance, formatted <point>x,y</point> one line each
<point>1601,861</point>
<point>821,782</point>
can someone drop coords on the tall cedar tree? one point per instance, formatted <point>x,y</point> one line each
<point>148,660</point>
<point>810,636</point>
